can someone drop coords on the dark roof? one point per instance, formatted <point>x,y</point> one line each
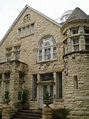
<point>77,14</point>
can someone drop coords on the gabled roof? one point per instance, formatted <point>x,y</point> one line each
<point>18,17</point>
<point>77,14</point>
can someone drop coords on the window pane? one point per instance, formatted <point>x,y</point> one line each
<point>17,55</point>
<point>75,41</point>
<point>76,48</point>
<point>40,58</point>
<point>28,31</point>
<point>87,43</point>
<point>40,52</point>
<point>86,30</point>
<point>48,49</point>
<point>75,31</point>
<point>59,86</point>
<point>46,77</point>
<point>34,91</point>
<point>32,28</point>
<point>8,57</point>
<point>54,49</point>
<point>76,44</point>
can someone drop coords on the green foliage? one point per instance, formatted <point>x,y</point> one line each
<point>47,96</point>
<point>25,94</point>
<point>18,104</point>
<point>60,113</point>
<point>0,114</point>
<point>6,97</point>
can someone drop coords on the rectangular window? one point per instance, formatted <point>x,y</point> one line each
<point>5,87</point>
<point>7,75</point>
<point>8,57</point>
<point>34,90</point>
<point>26,30</point>
<point>86,30</point>
<point>75,82</point>
<point>21,75</point>
<point>0,76</point>
<point>76,44</point>
<point>16,52</point>
<point>59,85</point>
<point>40,55</point>
<point>54,52</point>
<point>87,43</point>
<point>75,31</point>
<point>8,54</point>
<point>65,47</point>
<point>32,28</point>
<point>46,77</point>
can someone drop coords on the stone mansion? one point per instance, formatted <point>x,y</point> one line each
<point>44,55</point>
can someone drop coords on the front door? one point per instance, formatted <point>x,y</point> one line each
<point>45,88</point>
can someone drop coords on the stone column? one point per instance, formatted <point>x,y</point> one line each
<point>6,111</point>
<point>47,112</point>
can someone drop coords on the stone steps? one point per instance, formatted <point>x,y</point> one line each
<point>28,114</point>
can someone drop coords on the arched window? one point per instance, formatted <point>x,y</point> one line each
<point>47,49</point>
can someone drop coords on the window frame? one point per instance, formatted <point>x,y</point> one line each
<point>75,31</point>
<point>59,90</point>
<point>47,51</point>
<point>75,44</point>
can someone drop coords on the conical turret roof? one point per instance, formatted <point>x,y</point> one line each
<point>77,14</point>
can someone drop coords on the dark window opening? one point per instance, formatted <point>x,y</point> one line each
<point>87,43</point>
<point>21,75</point>
<point>86,30</point>
<point>34,91</point>
<point>46,77</point>
<point>75,31</point>
<point>59,86</point>
<point>7,76</point>
<point>75,82</point>
<point>0,76</point>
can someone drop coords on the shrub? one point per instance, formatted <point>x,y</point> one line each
<point>60,113</point>
<point>6,97</point>
<point>25,94</point>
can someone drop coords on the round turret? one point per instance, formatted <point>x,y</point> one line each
<point>76,65</point>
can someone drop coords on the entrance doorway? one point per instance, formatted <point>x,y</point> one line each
<point>46,88</point>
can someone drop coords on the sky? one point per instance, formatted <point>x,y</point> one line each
<point>10,9</point>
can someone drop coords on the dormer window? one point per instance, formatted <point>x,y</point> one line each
<point>26,18</point>
<point>47,49</point>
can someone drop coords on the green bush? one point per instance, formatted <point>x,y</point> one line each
<point>60,113</point>
<point>25,94</point>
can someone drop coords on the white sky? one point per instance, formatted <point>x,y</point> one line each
<point>10,9</point>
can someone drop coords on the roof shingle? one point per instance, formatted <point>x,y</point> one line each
<point>77,14</point>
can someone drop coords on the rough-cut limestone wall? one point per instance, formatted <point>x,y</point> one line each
<point>77,100</point>
<point>29,51</point>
